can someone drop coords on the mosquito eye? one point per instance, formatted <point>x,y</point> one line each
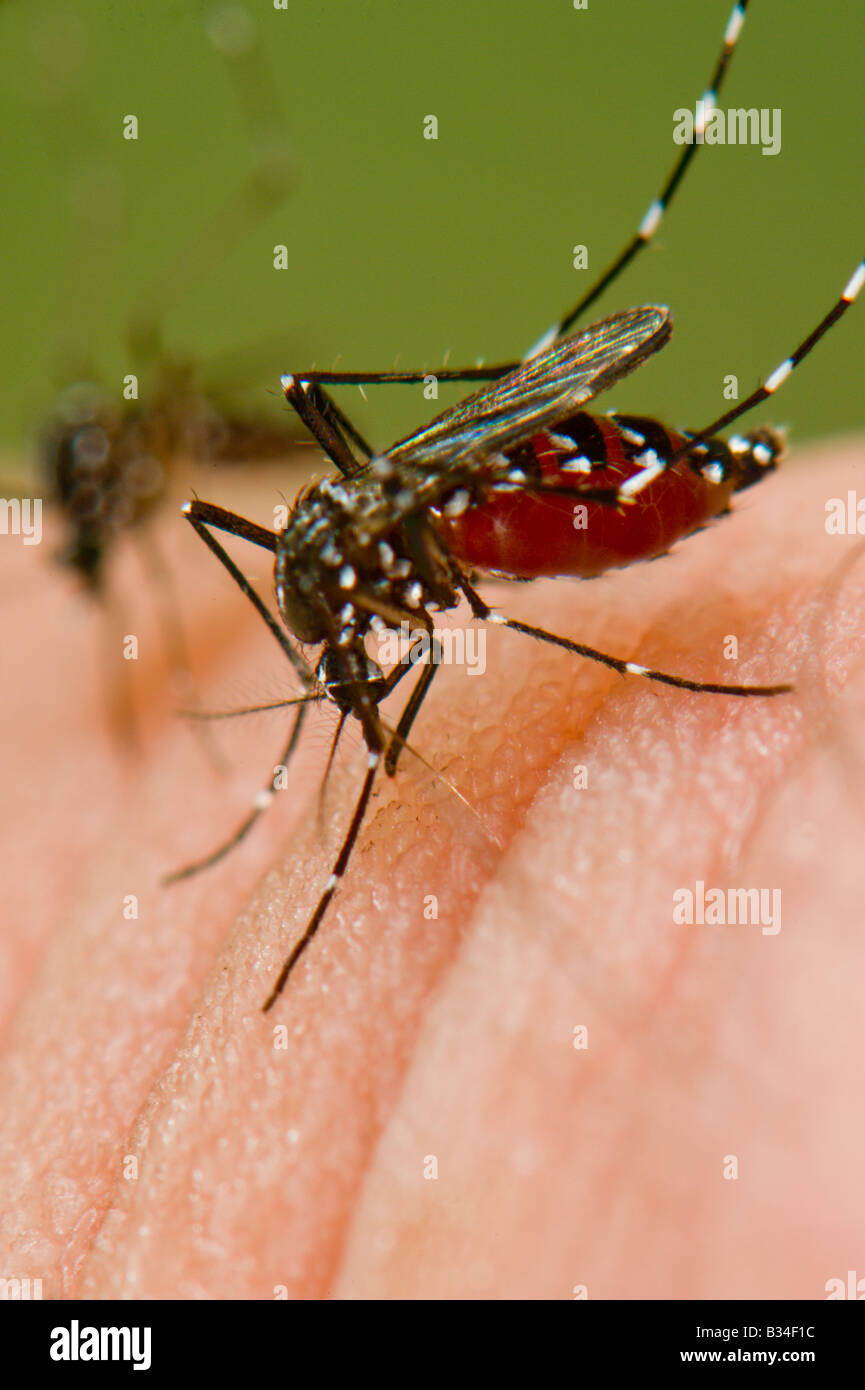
<point>299,616</point>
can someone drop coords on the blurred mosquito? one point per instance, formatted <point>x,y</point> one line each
<point>108,455</point>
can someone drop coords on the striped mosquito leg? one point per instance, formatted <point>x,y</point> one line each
<point>482,611</point>
<point>656,210</point>
<point>638,242</point>
<point>632,668</point>
<point>781,373</point>
<point>337,872</point>
<point>260,805</point>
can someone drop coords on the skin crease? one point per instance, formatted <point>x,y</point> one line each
<point>299,1167</point>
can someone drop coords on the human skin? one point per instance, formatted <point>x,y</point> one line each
<point>291,1152</point>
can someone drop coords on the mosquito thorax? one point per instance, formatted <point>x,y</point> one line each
<point>344,558</point>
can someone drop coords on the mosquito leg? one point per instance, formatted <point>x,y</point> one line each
<point>342,861</point>
<point>328,407</point>
<point>393,678</point>
<point>208,714</point>
<point>632,668</point>
<point>389,683</point>
<point>482,611</point>
<point>781,373</point>
<point>638,242</point>
<point>232,522</point>
<point>649,225</point>
<point>322,791</point>
<point>200,515</point>
<point>326,422</point>
<point>408,378</point>
<point>262,801</point>
<point>412,707</point>
<point>337,872</point>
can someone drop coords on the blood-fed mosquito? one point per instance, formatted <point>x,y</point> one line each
<point>489,487</point>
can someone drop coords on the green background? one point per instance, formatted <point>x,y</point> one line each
<point>555,127</point>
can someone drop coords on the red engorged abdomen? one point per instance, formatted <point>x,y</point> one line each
<point>527,535</point>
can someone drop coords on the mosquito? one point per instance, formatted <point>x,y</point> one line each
<point>107,458</point>
<point>492,486</point>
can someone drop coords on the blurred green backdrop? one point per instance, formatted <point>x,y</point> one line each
<point>555,127</point>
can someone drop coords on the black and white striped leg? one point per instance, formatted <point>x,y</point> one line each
<point>654,213</point>
<point>201,515</point>
<point>641,238</point>
<point>260,805</point>
<point>396,744</point>
<point>482,611</point>
<point>777,378</point>
<point>632,668</point>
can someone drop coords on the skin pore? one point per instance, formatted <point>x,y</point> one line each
<point>161,1138</point>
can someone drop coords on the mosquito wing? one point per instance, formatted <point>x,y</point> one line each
<point>542,391</point>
